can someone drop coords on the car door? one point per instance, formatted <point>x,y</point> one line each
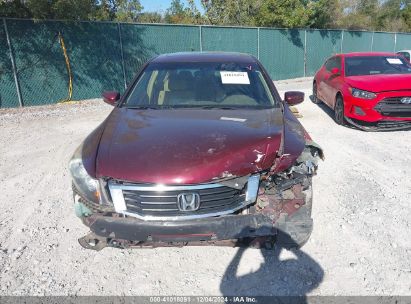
<point>320,76</point>
<point>332,80</point>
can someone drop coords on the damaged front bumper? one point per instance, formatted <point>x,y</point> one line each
<point>130,231</point>
<point>281,213</point>
<point>284,220</point>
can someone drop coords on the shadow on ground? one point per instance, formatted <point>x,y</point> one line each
<point>324,107</point>
<point>295,276</point>
<point>330,112</point>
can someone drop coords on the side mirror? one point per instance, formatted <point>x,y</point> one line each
<point>111,97</point>
<point>335,71</point>
<point>293,98</point>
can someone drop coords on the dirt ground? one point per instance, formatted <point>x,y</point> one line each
<point>361,242</point>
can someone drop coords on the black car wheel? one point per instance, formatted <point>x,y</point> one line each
<point>316,100</point>
<point>339,110</point>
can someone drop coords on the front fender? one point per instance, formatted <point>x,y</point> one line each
<point>293,142</point>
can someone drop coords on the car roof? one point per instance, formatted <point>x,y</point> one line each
<point>205,57</point>
<point>409,51</point>
<point>369,54</point>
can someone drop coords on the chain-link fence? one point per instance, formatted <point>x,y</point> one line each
<point>107,55</point>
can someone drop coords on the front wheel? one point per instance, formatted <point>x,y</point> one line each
<point>339,111</point>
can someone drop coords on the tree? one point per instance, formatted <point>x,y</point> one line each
<point>150,17</point>
<point>381,15</point>
<point>406,15</point>
<point>120,10</point>
<point>367,7</point>
<point>285,13</point>
<point>175,13</point>
<point>127,10</point>
<point>104,11</point>
<point>393,15</point>
<point>273,13</point>
<point>178,13</point>
<point>14,9</point>
<point>47,9</point>
<point>231,12</point>
<point>357,14</point>
<point>326,13</point>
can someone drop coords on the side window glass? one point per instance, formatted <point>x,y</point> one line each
<point>139,94</point>
<point>327,63</point>
<point>338,62</point>
<point>332,63</point>
<point>405,54</point>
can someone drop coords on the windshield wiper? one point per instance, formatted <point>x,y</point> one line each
<point>143,107</point>
<point>217,107</point>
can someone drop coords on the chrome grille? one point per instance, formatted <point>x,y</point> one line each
<point>165,203</point>
<point>393,107</point>
<point>159,202</point>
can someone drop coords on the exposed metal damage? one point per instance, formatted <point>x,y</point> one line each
<point>281,213</point>
<point>287,197</point>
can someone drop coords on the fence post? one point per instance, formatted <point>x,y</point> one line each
<point>305,53</point>
<point>342,40</point>
<point>395,42</point>
<point>258,43</point>
<point>13,64</point>
<point>372,41</point>
<point>201,37</point>
<point>122,56</point>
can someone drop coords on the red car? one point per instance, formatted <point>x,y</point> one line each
<point>200,150</point>
<point>369,90</point>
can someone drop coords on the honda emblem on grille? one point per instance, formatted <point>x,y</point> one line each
<point>188,201</point>
<point>406,100</point>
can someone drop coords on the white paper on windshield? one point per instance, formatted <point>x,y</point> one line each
<point>394,60</point>
<point>233,119</point>
<point>228,77</point>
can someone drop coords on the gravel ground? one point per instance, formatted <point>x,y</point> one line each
<point>360,244</point>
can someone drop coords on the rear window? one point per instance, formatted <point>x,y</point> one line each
<point>371,65</point>
<point>193,84</point>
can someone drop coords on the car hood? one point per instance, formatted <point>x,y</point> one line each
<point>187,146</point>
<point>380,83</point>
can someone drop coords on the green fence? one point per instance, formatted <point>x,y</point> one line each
<point>107,55</point>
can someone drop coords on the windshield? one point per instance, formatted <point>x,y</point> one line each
<point>207,85</point>
<point>372,65</point>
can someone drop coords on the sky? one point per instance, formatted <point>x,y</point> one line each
<point>162,5</point>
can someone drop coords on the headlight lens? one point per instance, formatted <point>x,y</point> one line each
<point>362,94</point>
<point>85,184</point>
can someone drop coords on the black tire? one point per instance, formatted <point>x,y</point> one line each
<point>316,100</point>
<point>339,116</point>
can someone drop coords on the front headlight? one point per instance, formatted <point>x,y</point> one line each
<point>362,94</point>
<point>84,183</point>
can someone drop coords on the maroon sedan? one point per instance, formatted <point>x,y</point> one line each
<point>200,149</point>
<point>369,90</point>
